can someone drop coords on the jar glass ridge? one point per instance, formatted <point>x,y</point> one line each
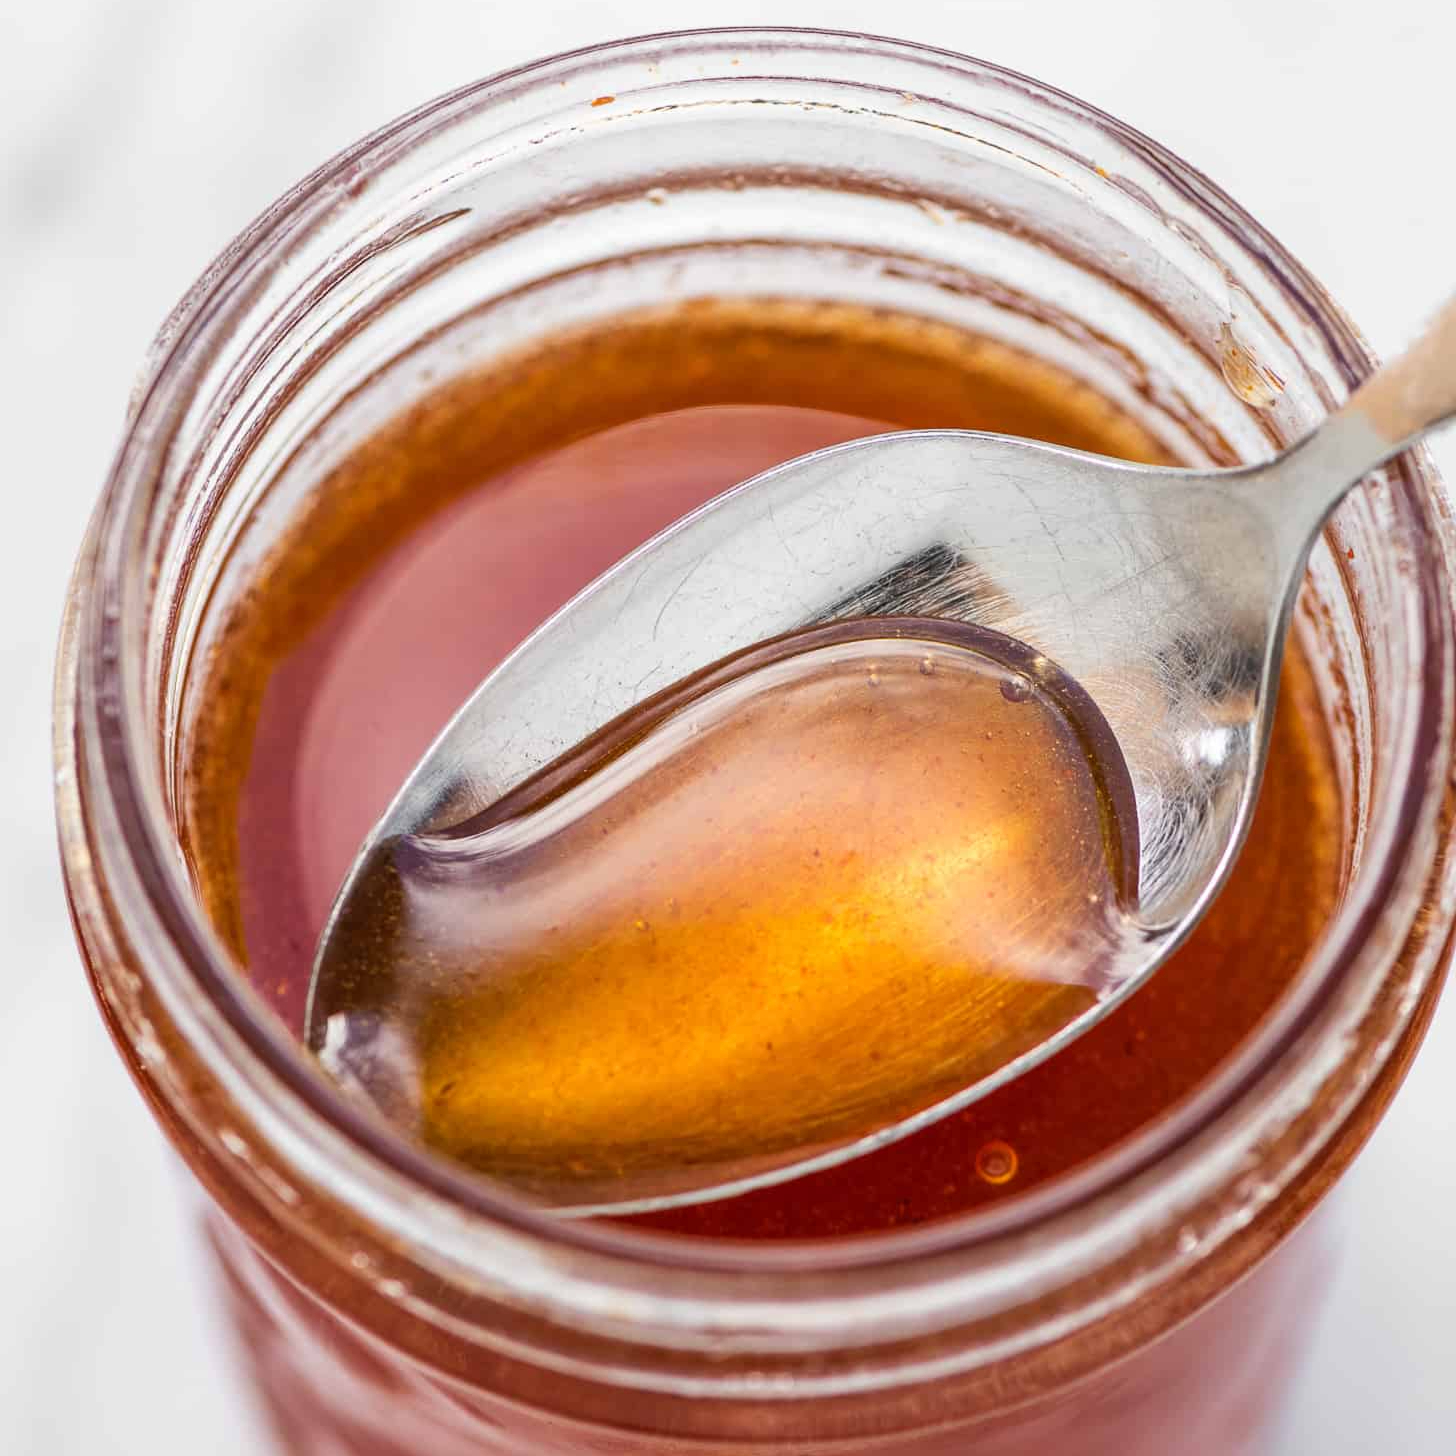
<point>740,163</point>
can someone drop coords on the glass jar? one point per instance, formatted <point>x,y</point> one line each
<point>390,1304</point>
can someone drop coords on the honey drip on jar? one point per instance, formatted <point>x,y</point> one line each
<point>793,900</point>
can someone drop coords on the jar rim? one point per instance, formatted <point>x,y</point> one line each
<point>161,907</point>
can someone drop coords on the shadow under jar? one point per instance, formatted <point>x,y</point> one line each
<point>701,224</point>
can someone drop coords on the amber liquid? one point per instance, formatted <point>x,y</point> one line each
<point>799,897</point>
<point>473,517</point>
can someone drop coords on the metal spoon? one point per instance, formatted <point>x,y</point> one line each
<point>1165,593</point>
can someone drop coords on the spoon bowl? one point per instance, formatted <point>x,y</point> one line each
<point>1165,594</point>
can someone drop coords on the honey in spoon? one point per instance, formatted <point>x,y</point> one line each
<point>794,900</point>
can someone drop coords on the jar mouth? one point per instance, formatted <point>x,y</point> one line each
<point>153,896</point>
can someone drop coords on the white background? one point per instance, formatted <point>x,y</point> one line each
<point>137,136</point>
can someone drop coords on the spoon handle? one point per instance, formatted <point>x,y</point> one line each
<point>1415,391</point>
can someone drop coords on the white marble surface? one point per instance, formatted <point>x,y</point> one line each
<point>136,136</point>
